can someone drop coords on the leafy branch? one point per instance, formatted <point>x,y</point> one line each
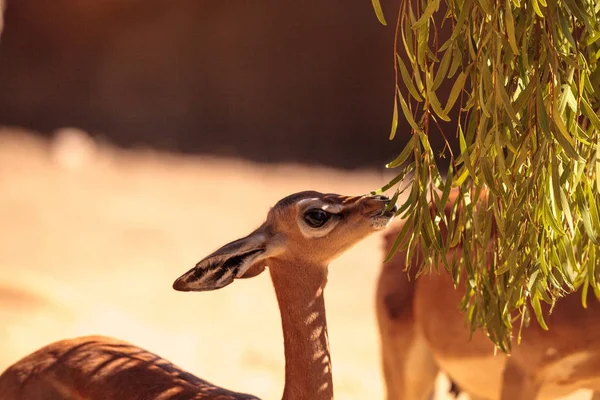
<point>526,83</point>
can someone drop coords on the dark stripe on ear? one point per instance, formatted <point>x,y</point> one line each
<point>222,266</point>
<point>236,260</point>
<point>233,263</point>
<point>198,272</point>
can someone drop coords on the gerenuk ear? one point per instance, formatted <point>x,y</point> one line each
<point>230,262</point>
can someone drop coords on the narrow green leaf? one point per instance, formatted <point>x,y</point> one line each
<point>407,151</point>
<point>391,183</point>
<point>537,309</point>
<point>378,11</point>
<point>567,210</point>
<point>433,100</point>
<point>510,27</point>
<point>501,92</point>
<point>407,40</point>
<point>584,293</point>
<point>542,116</point>
<point>456,62</point>
<point>564,138</point>
<point>586,217</point>
<point>536,8</point>
<point>442,69</point>
<point>458,86</point>
<point>394,119</point>
<point>483,102</point>
<point>485,6</point>
<point>499,220</point>
<point>598,165</point>
<point>393,200</point>
<point>593,207</point>
<point>591,264</point>
<point>399,239</point>
<point>523,97</point>
<point>406,78</point>
<point>408,115</point>
<point>462,17</point>
<point>580,14</point>
<point>447,187</point>
<point>566,28</point>
<point>488,176</point>
<point>550,219</point>
<point>422,47</point>
<point>501,162</point>
<point>432,6</point>
<point>464,154</point>
<point>589,112</point>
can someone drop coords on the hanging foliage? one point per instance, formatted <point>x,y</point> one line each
<point>526,79</point>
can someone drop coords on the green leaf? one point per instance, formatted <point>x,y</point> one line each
<point>586,217</point>
<point>378,11</point>
<point>422,47</point>
<point>388,185</point>
<point>584,292</point>
<point>407,151</point>
<point>394,119</point>
<point>406,78</point>
<point>590,113</point>
<point>564,138</point>
<point>536,8</point>
<point>442,69</point>
<point>567,210</point>
<point>458,86</point>
<point>466,157</point>
<point>542,115</point>
<point>523,98</point>
<point>537,309</point>
<point>573,7</point>
<point>485,6</point>
<point>407,41</point>
<point>447,187</point>
<point>510,27</point>
<point>566,28</point>
<point>399,239</point>
<point>432,6</point>
<point>483,102</point>
<point>593,207</point>
<point>433,100</point>
<point>456,62</point>
<point>464,13</point>
<point>501,92</point>
<point>408,115</point>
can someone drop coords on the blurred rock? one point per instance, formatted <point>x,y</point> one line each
<point>72,148</point>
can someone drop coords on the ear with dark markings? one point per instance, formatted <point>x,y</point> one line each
<point>239,259</point>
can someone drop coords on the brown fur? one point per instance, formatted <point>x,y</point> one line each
<point>96,367</point>
<point>547,364</point>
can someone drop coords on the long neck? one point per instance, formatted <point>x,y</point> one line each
<point>302,308</point>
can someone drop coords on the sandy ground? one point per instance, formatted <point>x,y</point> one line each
<point>92,239</point>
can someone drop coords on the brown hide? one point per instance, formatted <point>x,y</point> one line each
<point>546,364</point>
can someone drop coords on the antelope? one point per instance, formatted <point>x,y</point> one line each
<point>302,234</point>
<point>423,331</point>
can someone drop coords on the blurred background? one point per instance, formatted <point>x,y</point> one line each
<point>138,136</point>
